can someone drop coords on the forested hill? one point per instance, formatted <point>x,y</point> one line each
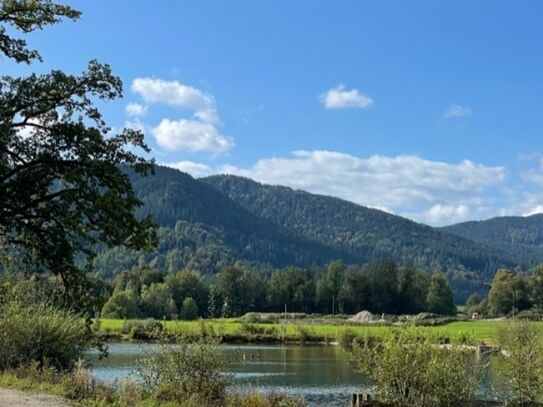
<point>522,235</point>
<point>203,229</point>
<point>362,232</point>
<point>212,222</point>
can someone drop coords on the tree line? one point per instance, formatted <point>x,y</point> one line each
<point>380,287</point>
<point>513,292</point>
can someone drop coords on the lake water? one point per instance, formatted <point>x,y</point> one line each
<point>321,374</point>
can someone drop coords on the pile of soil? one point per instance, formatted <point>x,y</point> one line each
<point>363,317</point>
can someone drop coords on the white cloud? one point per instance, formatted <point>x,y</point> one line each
<point>446,214</point>
<point>524,203</point>
<point>341,98</point>
<point>194,169</point>
<point>190,135</point>
<point>422,189</point>
<point>174,93</point>
<point>530,156</point>
<point>457,111</point>
<point>197,133</point>
<point>534,175</point>
<point>135,110</point>
<point>26,132</point>
<point>31,128</point>
<point>136,124</point>
<point>536,210</point>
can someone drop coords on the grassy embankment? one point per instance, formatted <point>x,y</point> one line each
<point>233,330</point>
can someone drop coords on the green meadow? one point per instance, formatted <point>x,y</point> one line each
<point>300,331</point>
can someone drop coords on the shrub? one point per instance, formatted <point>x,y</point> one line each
<point>251,329</point>
<point>407,369</point>
<point>81,384</point>
<point>533,314</point>
<point>307,334</point>
<point>522,368</point>
<point>271,331</point>
<point>347,339</point>
<point>208,330</point>
<point>42,333</point>
<point>147,329</point>
<point>190,370</point>
<point>129,393</point>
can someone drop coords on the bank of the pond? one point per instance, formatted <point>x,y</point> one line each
<point>322,375</point>
<point>237,331</point>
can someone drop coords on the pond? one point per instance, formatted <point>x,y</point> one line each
<point>321,374</point>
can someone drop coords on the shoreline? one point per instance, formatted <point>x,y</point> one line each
<point>225,339</point>
<point>471,333</point>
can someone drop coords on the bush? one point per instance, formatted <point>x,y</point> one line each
<point>81,384</point>
<point>522,368</point>
<point>129,393</point>
<point>248,328</point>
<point>209,330</point>
<point>307,334</point>
<point>347,339</point>
<point>40,333</point>
<point>147,329</point>
<point>533,314</point>
<point>191,370</point>
<point>407,369</point>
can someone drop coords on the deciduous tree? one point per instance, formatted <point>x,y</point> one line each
<point>62,189</point>
<point>440,297</point>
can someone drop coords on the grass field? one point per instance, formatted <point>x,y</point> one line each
<point>233,329</point>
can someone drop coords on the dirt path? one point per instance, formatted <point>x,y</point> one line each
<point>14,398</point>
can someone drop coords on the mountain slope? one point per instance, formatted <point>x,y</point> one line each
<point>362,232</point>
<point>205,230</point>
<point>523,235</point>
<point>208,223</point>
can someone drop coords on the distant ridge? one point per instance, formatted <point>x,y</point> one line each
<point>211,222</point>
<point>520,235</point>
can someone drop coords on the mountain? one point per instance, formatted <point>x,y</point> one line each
<point>208,223</point>
<point>521,235</point>
<point>366,233</point>
<point>205,230</point>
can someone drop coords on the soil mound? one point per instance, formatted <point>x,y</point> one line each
<point>363,317</point>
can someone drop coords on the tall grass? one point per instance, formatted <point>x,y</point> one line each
<point>189,370</point>
<point>40,333</point>
<point>522,366</point>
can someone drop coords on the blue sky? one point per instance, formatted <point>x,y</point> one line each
<point>429,109</point>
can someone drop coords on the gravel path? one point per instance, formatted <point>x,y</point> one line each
<point>14,398</point>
